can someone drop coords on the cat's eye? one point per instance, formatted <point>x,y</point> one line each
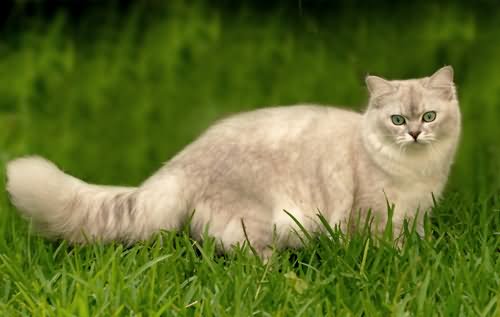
<point>398,119</point>
<point>429,116</point>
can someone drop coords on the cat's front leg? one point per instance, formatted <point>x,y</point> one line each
<point>414,218</point>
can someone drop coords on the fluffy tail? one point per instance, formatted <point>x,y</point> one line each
<point>65,207</point>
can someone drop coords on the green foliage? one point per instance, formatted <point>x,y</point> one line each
<point>111,100</point>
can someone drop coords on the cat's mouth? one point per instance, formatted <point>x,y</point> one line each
<point>414,143</point>
<point>418,143</point>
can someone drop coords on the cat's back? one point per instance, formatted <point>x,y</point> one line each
<point>287,122</point>
<point>293,134</point>
<point>293,113</point>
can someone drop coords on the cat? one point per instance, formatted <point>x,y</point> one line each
<point>245,173</point>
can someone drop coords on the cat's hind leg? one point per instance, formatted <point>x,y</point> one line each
<point>235,227</point>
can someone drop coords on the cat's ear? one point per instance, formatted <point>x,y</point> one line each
<point>378,86</point>
<point>442,83</point>
<point>443,77</point>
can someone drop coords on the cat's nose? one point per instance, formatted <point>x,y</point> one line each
<point>414,134</point>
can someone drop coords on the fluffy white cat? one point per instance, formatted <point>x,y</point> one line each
<point>247,169</point>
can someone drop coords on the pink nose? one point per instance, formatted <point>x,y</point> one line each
<point>414,134</point>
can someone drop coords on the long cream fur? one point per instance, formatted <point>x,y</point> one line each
<point>246,170</point>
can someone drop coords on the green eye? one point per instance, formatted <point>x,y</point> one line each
<point>429,116</point>
<point>397,119</point>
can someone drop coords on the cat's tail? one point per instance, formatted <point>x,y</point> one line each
<point>63,206</point>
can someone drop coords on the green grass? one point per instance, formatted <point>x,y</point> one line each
<point>110,101</point>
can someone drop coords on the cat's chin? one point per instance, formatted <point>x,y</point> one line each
<point>417,146</point>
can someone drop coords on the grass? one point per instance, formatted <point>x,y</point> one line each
<point>110,101</point>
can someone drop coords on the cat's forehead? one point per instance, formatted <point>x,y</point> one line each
<point>410,96</point>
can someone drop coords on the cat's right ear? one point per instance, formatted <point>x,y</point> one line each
<point>378,86</point>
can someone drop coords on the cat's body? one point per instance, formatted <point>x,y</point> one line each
<point>242,173</point>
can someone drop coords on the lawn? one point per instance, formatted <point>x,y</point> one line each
<point>110,94</point>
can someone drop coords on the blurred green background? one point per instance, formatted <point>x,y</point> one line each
<point>111,90</point>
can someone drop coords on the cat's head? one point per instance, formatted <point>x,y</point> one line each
<point>415,113</point>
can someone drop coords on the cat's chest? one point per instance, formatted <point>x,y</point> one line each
<point>414,195</point>
<point>415,192</point>
<point>405,192</point>
<point>411,183</point>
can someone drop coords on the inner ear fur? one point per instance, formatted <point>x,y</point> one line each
<point>442,77</point>
<point>442,83</point>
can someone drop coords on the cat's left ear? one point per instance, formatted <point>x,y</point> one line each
<point>442,83</point>
<point>443,77</point>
